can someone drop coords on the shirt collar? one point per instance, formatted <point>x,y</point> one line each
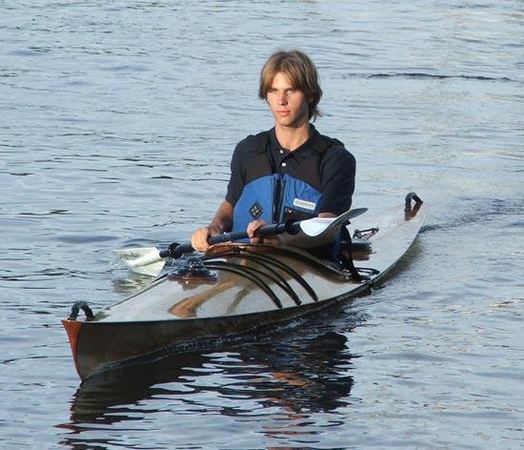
<point>304,150</point>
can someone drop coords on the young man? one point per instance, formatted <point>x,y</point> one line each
<point>290,171</point>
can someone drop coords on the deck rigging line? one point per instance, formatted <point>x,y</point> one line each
<point>268,262</point>
<point>274,276</point>
<point>252,275</point>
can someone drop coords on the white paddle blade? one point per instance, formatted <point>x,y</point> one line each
<point>317,225</point>
<point>143,260</point>
<point>139,256</point>
<point>151,270</point>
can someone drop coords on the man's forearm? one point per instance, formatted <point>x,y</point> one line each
<point>223,220</point>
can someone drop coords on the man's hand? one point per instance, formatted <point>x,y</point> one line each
<point>221,222</point>
<point>200,237</point>
<point>299,240</point>
<point>251,231</point>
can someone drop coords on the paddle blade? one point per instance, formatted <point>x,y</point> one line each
<point>143,260</point>
<point>318,225</point>
<point>151,270</point>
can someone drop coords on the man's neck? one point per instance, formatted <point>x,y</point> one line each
<point>292,137</point>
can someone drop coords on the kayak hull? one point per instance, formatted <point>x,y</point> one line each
<point>240,290</point>
<point>101,346</point>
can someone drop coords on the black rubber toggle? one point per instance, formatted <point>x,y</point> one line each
<point>412,196</point>
<point>75,309</point>
<point>410,212</point>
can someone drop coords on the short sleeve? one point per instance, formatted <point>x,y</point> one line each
<point>237,179</point>
<point>338,180</point>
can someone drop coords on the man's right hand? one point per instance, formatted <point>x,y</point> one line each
<point>222,221</point>
<point>199,239</point>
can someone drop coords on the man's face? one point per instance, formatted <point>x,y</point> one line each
<point>288,105</point>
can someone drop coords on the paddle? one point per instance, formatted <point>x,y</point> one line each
<point>150,260</point>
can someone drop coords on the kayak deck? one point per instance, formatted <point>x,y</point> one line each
<point>242,279</point>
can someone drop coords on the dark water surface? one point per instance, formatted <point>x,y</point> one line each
<point>118,121</point>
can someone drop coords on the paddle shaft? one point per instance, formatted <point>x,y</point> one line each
<point>176,250</point>
<point>150,260</point>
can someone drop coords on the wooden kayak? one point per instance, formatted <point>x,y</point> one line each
<point>234,291</point>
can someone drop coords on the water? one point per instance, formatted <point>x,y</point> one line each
<point>118,121</point>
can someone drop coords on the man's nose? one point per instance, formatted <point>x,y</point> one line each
<point>282,98</point>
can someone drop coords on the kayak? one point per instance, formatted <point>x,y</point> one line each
<point>235,290</point>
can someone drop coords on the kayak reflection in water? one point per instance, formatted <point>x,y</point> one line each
<point>289,172</point>
<point>302,375</point>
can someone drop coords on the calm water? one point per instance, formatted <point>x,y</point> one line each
<point>118,121</point>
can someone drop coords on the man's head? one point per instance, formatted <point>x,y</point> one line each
<point>301,72</point>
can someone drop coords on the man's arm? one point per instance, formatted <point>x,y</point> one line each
<point>223,220</point>
<point>338,180</point>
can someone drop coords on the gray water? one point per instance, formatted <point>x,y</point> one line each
<point>118,120</point>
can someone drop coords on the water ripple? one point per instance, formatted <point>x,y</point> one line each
<point>423,76</point>
<point>119,119</point>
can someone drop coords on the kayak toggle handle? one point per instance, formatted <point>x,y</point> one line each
<point>75,309</point>
<point>412,196</point>
<point>410,212</point>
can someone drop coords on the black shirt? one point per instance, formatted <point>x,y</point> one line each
<point>335,177</point>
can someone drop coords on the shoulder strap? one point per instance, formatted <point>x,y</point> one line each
<point>262,143</point>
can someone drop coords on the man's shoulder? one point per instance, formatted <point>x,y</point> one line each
<point>336,153</point>
<point>253,142</point>
<point>325,141</point>
<point>339,152</point>
<point>335,146</point>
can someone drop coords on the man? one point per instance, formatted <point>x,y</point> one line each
<point>290,171</point>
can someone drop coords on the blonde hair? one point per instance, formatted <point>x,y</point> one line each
<point>301,72</point>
